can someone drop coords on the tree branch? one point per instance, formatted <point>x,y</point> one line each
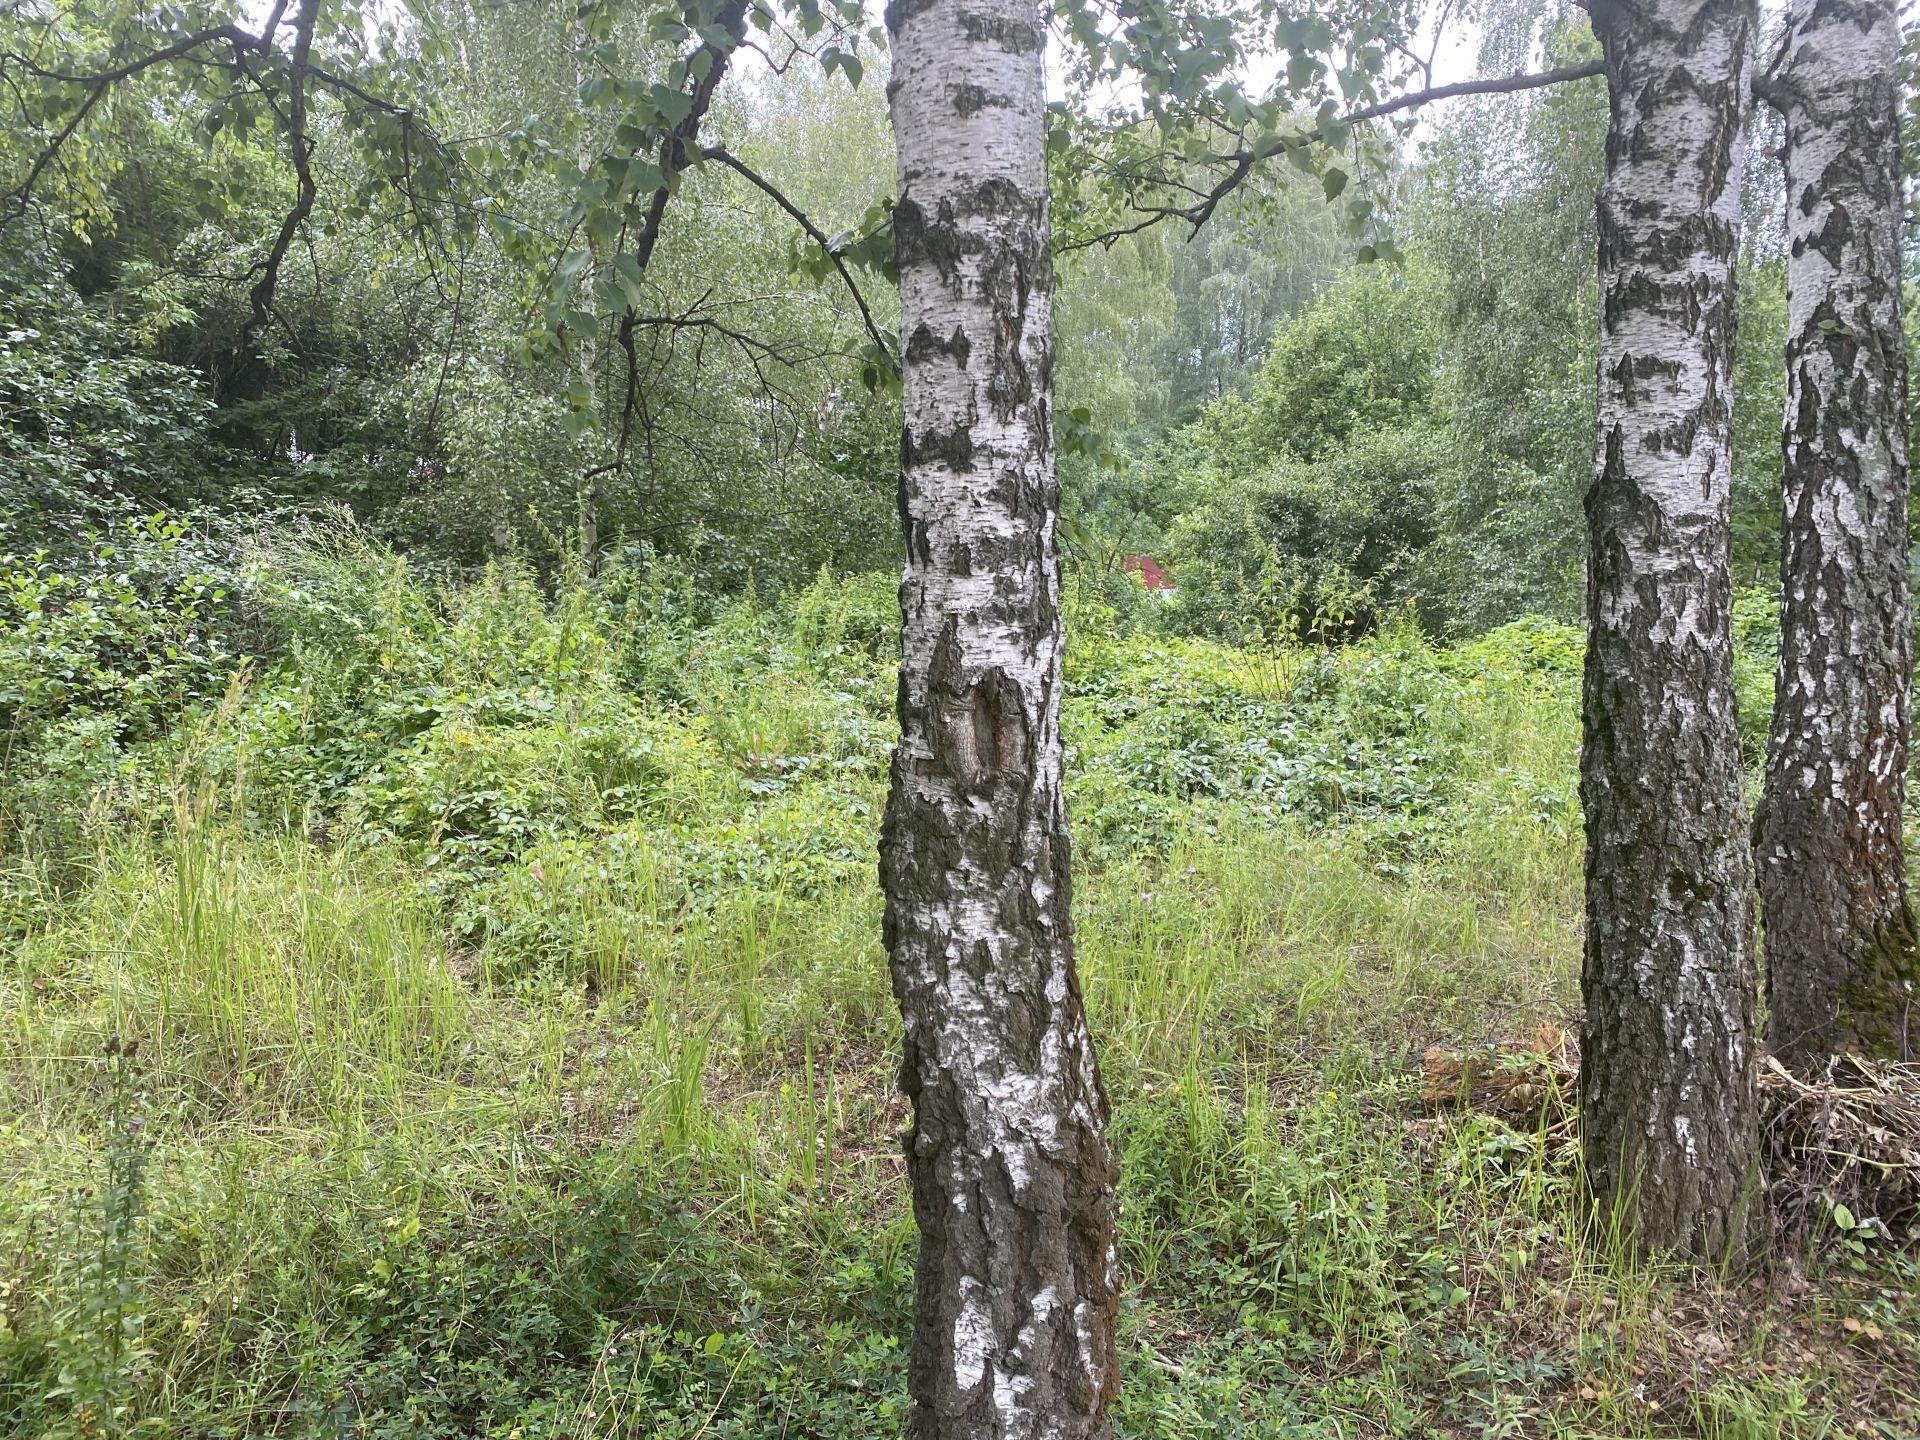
<point>301,152</point>
<point>1241,162</point>
<point>721,155</point>
<point>99,84</point>
<point>673,149</point>
<point>673,159</point>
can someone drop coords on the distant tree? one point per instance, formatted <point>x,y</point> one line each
<point>1843,972</point>
<point>1317,548</point>
<point>1667,1085</point>
<point>1501,212</point>
<point>1359,359</point>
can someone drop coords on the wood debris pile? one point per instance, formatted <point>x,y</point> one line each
<point>1528,1081</point>
<point>1849,1138</point>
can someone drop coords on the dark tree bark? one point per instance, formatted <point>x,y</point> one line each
<point>1667,1082</point>
<point>1013,1185</point>
<point>1841,959</point>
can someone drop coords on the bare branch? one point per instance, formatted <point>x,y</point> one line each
<point>1241,162</point>
<point>721,155</point>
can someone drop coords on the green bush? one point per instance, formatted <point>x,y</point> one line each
<point>103,651</point>
<point>93,428</point>
<point>1359,361</point>
<point>861,612</point>
<point>1365,736</point>
<point>1318,548</point>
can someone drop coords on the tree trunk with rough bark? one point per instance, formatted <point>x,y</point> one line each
<point>1841,960</point>
<point>1013,1185</point>
<point>1667,1081</point>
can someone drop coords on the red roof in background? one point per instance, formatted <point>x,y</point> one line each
<point>1152,573</point>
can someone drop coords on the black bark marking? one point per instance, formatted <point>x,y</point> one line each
<point>898,12</point>
<point>951,448</point>
<point>924,345</point>
<point>1013,36</point>
<point>972,99</point>
<point>922,240</point>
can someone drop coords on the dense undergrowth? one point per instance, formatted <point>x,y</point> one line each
<point>466,1017</point>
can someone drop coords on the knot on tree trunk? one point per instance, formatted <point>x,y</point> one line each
<point>977,719</point>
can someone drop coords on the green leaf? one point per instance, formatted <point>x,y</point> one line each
<point>632,278</point>
<point>673,105</point>
<point>642,177</point>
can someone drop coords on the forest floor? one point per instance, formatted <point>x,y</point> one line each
<point>512,1051</point>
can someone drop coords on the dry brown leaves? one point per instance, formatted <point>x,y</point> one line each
<point>1529,1080</point>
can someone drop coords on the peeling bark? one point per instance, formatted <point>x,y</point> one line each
<point>1013,1185</point>
<point>1667,1084</point>
<point>1841,959</point>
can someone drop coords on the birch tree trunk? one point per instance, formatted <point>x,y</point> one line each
<point>1841,962</point>
<point>1013,1185</point>
<point>1667,1080</point>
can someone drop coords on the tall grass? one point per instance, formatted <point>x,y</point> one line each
<point>518,1049</point>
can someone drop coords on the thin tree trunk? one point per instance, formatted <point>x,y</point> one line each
<point>1013,1184</point>
<point>1841,960</point>
<point>1667,1083</point>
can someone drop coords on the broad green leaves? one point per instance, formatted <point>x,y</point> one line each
<point>1186,122</point>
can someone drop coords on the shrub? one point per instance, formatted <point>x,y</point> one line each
<point>102,651</point>
<point>1317,548</point>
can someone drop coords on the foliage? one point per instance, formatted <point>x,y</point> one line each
<point>95,1354</point>
<point>1360,360</point>
<point>92,424</point>
<point>1318,548</point>
<point>104,650</point>
<point>448,700</point>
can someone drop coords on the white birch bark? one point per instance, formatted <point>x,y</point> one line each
<point>1013,1184</point>
<point>1667,1080</point>
<point>1841,961</point>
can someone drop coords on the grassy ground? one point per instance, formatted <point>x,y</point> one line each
<point>512,1051</point>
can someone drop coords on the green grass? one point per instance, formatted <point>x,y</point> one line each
<point>515,1051</point>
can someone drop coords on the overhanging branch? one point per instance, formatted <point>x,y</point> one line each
<point>300,148</point>
<point>1241,162</point>
<point>723,156</point>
